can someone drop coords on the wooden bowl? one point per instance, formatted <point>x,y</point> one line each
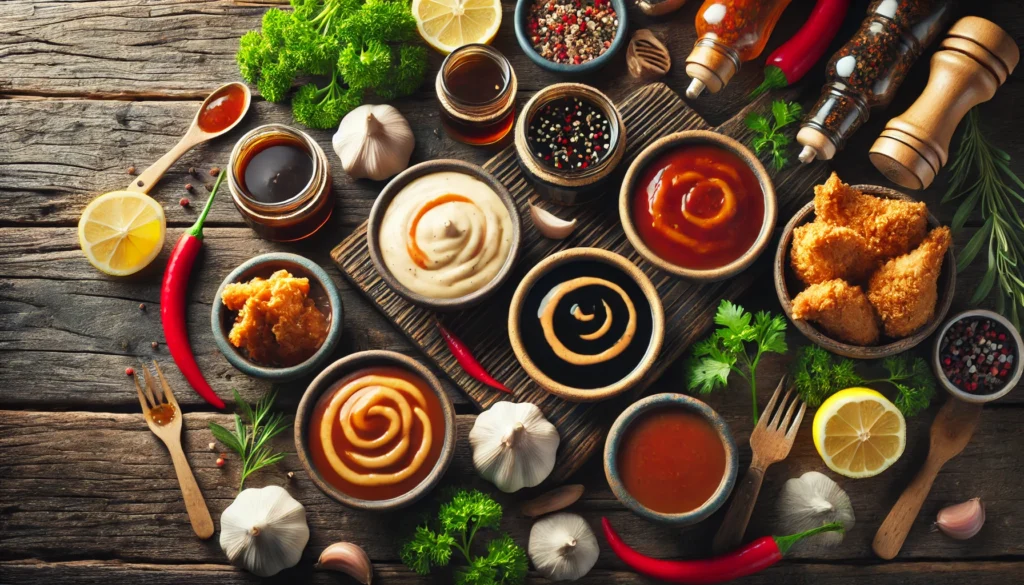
<point>786,281</point>
<point>380,206</point>
<point>321,290</point>
<point>569,187</point>
<point>615,387</point>
<point>342,368</point>
<point>698,137</point>
<point>669,400</point>
<point>1018,369</point>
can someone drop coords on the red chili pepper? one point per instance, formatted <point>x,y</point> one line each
<point>751,558</point>
<point>173,294</point>
<point>794,58</point>
<point>468,362</point>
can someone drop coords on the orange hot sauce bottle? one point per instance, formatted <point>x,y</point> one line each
<point>729,32</point>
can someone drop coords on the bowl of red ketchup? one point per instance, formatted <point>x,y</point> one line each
<point>698,205</point>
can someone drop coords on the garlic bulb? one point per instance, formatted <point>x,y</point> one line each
<point>550,225</point>
<point>811,500</point>
<point>962,521</point>
<point>264,530</point>
<point>374,142</point>
<point>513,445</point>
<point>563,547</point>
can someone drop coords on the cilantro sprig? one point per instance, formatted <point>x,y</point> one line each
<point>362,46</point>
<point>458,520</point>
<point>726,350</point>
<point>768,133</point>
<point>817,374</point>
<point>252,434</point>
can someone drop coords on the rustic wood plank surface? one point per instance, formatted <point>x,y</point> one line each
<point>87,494</point>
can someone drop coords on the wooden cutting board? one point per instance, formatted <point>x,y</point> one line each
<point>649,113</point>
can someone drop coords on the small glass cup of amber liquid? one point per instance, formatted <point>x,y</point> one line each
<point>476,89</point>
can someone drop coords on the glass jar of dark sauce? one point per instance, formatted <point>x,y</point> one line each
<point>280,181</point>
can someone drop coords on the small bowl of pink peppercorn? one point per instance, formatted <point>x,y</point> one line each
<point>977,356</point>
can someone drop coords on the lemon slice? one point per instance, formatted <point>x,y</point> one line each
<point>859,433</point>
<point>446,25</point>
<point>122,232</point>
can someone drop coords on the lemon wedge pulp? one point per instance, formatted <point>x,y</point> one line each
<point>859,433</point>
<point>447,25</point>
<point>122,232</point>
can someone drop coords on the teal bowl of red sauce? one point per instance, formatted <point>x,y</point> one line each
<point>670,458</point>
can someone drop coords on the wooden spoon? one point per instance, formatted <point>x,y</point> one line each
<point>195,136</point>
<point>951,431</point>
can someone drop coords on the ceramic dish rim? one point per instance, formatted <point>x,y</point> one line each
<point>399,182</point>
<point>337,370</point>
<point>685,137</point>
<point>1018,369</point>
<point>519,22</point>
<point>818,336</point>
<point>634,273</point>
<point>286,374</point>
<point>671,400</point>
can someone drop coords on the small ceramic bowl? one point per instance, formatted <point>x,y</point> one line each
<point>344,367</point>
<point>655,402</point>
<point>522,18</point>
<point>569,187</point>
<point>695,137</point>
<point>786,283</point>
<point>968,396</point>
<point>392,189</point>
<point>615,387</point>
<point>321,290</point>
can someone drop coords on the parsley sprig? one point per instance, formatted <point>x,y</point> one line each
<point>980,174</point>
<point>252,434</point>
<point>726,349</point>
<point>459,519</point>
<point>817,374</point>
<point>768,133</point>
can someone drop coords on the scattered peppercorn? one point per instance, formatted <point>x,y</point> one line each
<point>220,462</point>
<point>212,446</point>
<point>129,371</point>
<point>192,171</point>
<point>977,355</point>
<point>214,171</point>
<point>154,345</point>
<point>184,202</point>
<point>291,474</point>
<point>142,306</point>
<point>572,31</point>
<point>570,133</point>
<point>140,183</point>
<point>189,187</point>
<point>131,170</point>
<point>208,186</point>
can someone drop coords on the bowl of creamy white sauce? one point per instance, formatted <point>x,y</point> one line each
<point>444,234</point>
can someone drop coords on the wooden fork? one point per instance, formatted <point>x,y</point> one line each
<point>163,415</point>
<point>770,442</point>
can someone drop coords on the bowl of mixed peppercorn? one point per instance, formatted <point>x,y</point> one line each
<point>571,37</point>
<point>977,356</point>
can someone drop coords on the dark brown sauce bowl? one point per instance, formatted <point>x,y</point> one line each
<point>392,189</point>
<point>616,387</point>
<point>339,370</point>
<point>692,137</point>
<point>787,286</point>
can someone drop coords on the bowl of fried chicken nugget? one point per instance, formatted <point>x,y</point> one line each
<point>865,271</point>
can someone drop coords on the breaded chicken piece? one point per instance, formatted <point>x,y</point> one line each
<point>842,310</point>
<point>905,289</point>
<point>891,227</point>
<point>823,252</point>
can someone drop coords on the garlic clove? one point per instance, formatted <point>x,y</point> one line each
<point>961,521</point>
<point>550,225</point>
<point>552,501</point>
<point>347,558</point>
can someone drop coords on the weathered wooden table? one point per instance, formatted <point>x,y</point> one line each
<point>87,493</point>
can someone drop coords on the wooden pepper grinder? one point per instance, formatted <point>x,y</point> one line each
<point>972,62</point>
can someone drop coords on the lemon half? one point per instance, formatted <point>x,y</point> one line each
<point>447,25</point>
<point>122,232</point>
<point>859,433</point>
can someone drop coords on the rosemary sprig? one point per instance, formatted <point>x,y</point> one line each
<point>768,132</point>
<point>980,174</point>
<point>252,434</point>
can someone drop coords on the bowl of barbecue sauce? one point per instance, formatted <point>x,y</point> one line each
<point>280,181</point>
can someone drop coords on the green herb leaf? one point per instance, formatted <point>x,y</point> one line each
<point>253,431</point>
<point>768,133</point>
